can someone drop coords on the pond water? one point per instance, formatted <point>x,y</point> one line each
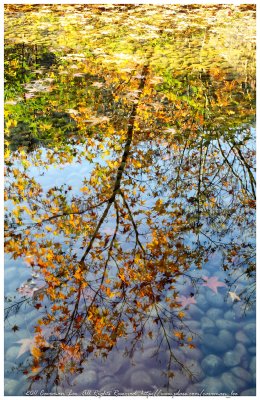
<point>130,200</point>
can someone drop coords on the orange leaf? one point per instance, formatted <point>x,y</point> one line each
<point>36,352</point>
<point>181,314</point>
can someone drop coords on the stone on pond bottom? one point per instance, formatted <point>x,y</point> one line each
<point>253,364</point>
<point>207,325</point>
<point>212,385</point>
<point>250,330</point>
<point>248,392</point>
<point>218,344</point>
<point>232,383</point>
<point>214,299</point>
<point>12,353</point>
<point>140,380</point>
<point>195,312</point>
<point>212,365</point>
<point>87,380</point>
<point>232,358</point>
<point>179,381</point>
<point>10,387</point>
<point>242,374</point>
<point>214,313</point>
<point>252,350</point>
<point>229,325</point>
<point>202,302</point>
<point>227,337</point>
<point>242,337</point>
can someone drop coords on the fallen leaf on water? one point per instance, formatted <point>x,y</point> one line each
<point>234,296</point>
<point>15,328</point>
<point>36,352</point>
<point>29,344</point>
<point>213,283</point>
<point>26,345</point>
<point>186,301</point>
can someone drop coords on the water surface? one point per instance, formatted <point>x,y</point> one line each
<point>130,199</point>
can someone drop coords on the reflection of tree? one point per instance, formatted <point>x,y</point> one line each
<point>171,183</point>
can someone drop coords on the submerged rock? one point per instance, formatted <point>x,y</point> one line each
<point>218,344</point>
<point>215,299</point>
<point>202,302</point>
<point>253,364</point>
<point>110,388</point>
<point>234,357</point>
<point>242,337</point>
<point>158,377</point>
<point>227,337</point>
<point>149,355</point>
<point>195,389</point>
<point>194,325</point>
<point>249,392</point>
<point>207,325</point>
<point>186,353</point>
<point>10,387</point>
<point>109,379</point>
<point>12,353</point>
<point>242,374</point>
<point>214,313</point>
<point>195,368</point>
<point>252,350</point>
<point>9,367</point>
<point>250,330</point>
<point>232,383</point>
<point>140,379</point>
<point>86,380</point>
<point>179,381</point>
<point>229,325</point>
<point>195,312</point>
<point>230,315</point>
<point>212,386</point>
<point>212,365</point>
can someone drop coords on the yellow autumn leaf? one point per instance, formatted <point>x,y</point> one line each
<point>36,352</point>
<point>181,314</point>
<point>179,335</point>
<point>78,274</point>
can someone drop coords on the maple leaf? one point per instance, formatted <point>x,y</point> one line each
<point>29,344</point>
<point>213,283</point>
<point>186,301</point>
<point>26,345</point>
<point>234,296</point>
<point>15,328</point>
<point>78,274</point>
<point>36,352</point>
<point>181,314</point>
<point>179,335</point>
